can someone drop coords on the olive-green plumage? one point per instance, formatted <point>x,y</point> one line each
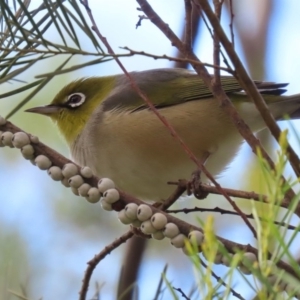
<point>109,128</point>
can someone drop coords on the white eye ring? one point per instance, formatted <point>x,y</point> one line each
<point>76,99</point>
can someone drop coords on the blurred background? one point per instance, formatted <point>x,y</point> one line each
<point>47,234</point>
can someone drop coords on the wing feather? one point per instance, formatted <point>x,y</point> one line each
<point>166,87</point>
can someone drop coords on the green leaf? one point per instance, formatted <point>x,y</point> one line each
<point>21,89</point>
<point>35,91</point>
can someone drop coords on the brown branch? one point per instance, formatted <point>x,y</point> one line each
<point>218,10</point>
<point>176,59</point>
<point>241,194</point>
<point>249,86</point>
<point>231,22</point>
<point>185,228</point>
<point>95,261</point>
<point>181,188</point>
<point>224,212</point>
<point>218,93</point>
<point>188,37</point>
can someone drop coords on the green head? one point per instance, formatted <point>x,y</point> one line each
<point>75,103</point>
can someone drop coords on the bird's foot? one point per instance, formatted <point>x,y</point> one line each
<point>194,186</point>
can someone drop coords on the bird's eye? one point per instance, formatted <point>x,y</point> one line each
<point>76,99</point>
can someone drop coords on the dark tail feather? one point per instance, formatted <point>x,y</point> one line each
<point>296,100</point>
<point>270,88</point>
<point>295,114</point>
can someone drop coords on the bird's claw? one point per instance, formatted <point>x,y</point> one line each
<point>194,186</point>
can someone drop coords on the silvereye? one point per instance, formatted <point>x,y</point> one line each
<point>109,128</point>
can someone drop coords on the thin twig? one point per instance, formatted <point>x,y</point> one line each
<point>224,212</point>
<point>219,279</point>
<point>49,51</point>
<point>183,295</point>
<point>181,188</point>
<point>218,93</point>
<point>231,22</point>
<point>188,37</point>
<point>249,86</point>
<point>218,10</point>
<point>95,261</point>
<point>239,194</point>
<point>176,59</point>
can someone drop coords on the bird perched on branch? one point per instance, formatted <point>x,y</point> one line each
<point>109,128</point>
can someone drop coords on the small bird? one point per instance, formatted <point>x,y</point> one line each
<point>109,128</point>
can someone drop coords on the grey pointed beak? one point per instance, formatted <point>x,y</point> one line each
<point>46,110</point>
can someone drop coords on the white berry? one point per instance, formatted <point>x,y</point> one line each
<point>83,189</point>
<point>20,139</point>
<point>2,121</point>
<point>136,223</point>
<point>250,258</point>
<point>65,182</point>
<point>159,221</point>
<point>218,259</point>
<point>147,228</point>
<point>105,205</point>
<point>43,162</point>
<point>178,240</point>
<point>55,173</point>
<point>75,191</point>
<point>111,196</point>
<point>244,270</point>
<point>76,181</point>
<point>131,211</point>
<point>69,170</point>
<point>196,236</point>
<point>170,230</point>
<point>27,152</point>
<point>123,218</point>
<point>86,172</point>
<point>104,184</point>
<point>93,195</point>
<point>226,259</point>
<point>34,139</point>
<point>6,138</point>
<point>158,235</point>
<point>144,212</point>
<point>186,251</point>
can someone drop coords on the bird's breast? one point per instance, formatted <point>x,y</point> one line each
<point>139,153</point>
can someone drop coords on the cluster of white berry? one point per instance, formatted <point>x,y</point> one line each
<point>140,216</point>
<point>70,174</point>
